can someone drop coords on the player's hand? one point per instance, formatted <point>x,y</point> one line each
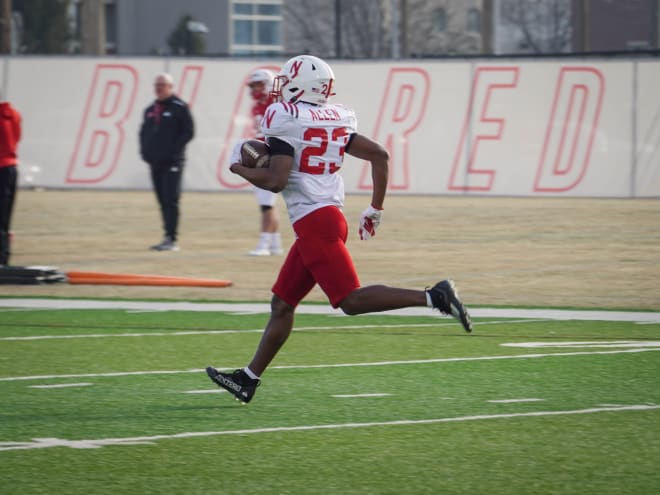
<point>369,221</point>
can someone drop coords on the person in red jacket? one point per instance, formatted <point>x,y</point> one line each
<point>10,134</point>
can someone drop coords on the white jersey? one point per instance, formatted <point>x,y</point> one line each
<point>318,135</point>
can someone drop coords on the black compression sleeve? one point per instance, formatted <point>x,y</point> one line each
<point>279,147</point>
<point>348,143</point>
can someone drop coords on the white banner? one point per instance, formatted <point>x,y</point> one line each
<point>518,128</point>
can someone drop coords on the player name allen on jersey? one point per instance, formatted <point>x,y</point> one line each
<point>324,114</point>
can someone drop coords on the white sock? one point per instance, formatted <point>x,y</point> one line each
<point>264,240</point>
<point>250,373</point>
<point>429,302</point>
<point>275,241</point>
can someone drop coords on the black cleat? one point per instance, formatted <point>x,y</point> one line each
<point>236,383</point>
<point>444,297</point>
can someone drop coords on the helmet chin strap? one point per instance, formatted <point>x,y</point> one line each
<point>296,97</point>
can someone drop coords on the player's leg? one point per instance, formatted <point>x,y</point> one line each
<point>269,238</point>
<point>443,296</point>
<point>275,335</point>
<point>322,237</point>
<point>292,285</point>
<point>271,225</point>
<point>374,298</point>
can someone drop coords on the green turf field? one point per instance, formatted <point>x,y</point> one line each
<point>359,405</point>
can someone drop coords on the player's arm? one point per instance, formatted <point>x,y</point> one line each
<point>366,149</point>
<point>274,177</point>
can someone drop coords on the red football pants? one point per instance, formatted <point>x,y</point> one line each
<point>318,256</point>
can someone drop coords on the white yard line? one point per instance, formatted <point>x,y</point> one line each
<point>255,330</point>
<point>41,443</point>
<point>336,365</point>
<point>62,385</point>
<point>512,401</point>
<point>204,391</point>
<point>595,344</point>
<point>141,334</point>
<point>254,308</point>
<point>10,310</point>
<point>352,396</point>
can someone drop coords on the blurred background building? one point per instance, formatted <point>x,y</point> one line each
<point>328,28</point>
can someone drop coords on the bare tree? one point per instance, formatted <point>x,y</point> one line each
<point>544,25</point>
<point>440,28</point>
<point>366,27</point>
<point>310,27</point>
<point>364,32</point>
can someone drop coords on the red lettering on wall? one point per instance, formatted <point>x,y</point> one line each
<point>401,111</point>
<point>191,77</point>
<point>571,129</point>
<point>240,127</point>
<point>467,174</point>
<point>101,133</point>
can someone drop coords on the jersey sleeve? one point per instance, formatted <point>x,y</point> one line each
<point>279,122</point>
<point>349,118</point>
<point>352,125</point>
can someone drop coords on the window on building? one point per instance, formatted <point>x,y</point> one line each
<point>439,19</point>
<point>256,27</point>
<point>474,20</point>
<point>243,8</point>
<point>111,27</point>
<point>243,32</point>
<point>269,9</point>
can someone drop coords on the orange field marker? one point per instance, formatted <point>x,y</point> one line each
<point>100,278</point>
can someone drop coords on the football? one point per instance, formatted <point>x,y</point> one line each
<point>255,154</point>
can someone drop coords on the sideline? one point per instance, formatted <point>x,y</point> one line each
<point>257,308</point>
<point>42,443</point>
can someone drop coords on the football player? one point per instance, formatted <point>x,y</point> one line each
<point>308,137</point>
<point>260,83</point>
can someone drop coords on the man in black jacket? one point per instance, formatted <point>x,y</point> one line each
<point>166,129</point>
